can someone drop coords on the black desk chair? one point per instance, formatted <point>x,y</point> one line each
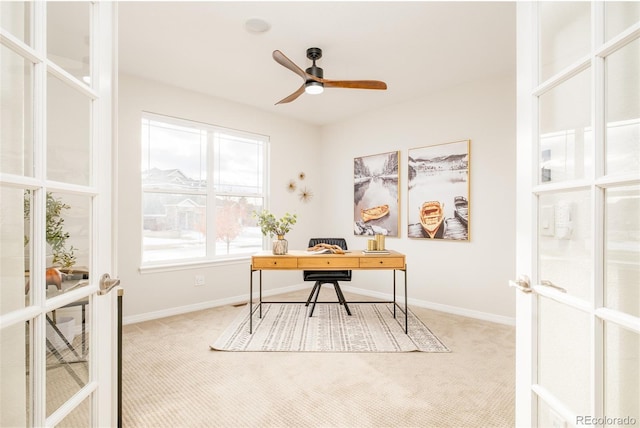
<point>327,276</point>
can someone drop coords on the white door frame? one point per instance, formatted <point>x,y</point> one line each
<point>525,302</point>
<point>101,386</point>
<point>528,392</point>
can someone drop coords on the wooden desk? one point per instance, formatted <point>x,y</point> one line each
<point>352,260</point>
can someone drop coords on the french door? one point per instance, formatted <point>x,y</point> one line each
<point>578,207</point>
<point>57,340</point>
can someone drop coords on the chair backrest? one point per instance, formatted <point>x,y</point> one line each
<point>340,242</point>
<point>327,275</point>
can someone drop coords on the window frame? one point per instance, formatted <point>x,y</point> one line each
<point>211,132</point>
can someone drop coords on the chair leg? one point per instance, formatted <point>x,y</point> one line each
<point>341,298</point>
<point>315,300</point>
<point>316,285</point>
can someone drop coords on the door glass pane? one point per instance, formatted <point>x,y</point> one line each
<point>15,247</point>
<point>68,241</point>
<point>16,114</point>
<point>565,239</point>
<point>620,15</point>
<point>564,349</point>
<point>623,110</point>
<point>14,372</point>
<point>566,135</point>
<point>564,35</point>
<point>622,251</point>
<point>68,40</point>
<point>621,373</point>
<point>67,349</point>
<point>15,17</point>
<point>79,417</point>
<point>68,134</point>
<point>547,417</point>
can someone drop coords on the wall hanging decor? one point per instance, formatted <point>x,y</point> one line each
<point>438,206</point>
<point>305,195</point>
<point>376,200</point>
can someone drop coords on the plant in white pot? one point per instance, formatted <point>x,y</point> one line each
<point>271,226</point>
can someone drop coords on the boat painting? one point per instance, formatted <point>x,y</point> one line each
<point>376,198</point>
<point>432,217</point>
<point>439,174</point>
<point>462,209</point>
<point>374,213</point>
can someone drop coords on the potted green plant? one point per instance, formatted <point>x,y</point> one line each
<point>271,226</point>
<point>56,236</point>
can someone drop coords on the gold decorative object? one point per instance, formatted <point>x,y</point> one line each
<point>291,186</point>
<point>305,195</point>
<point>302,176</point>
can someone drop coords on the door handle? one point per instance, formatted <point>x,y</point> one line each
<point>522,283</point>
<point>548,283</point>
<point>107,284</point>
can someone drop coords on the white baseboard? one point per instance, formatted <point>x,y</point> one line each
<point>243,298</point>
<point>149,316</point>
<point>470,313</point>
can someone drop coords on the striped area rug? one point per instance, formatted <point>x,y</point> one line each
<point>286,327</point>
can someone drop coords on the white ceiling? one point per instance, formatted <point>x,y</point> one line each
<point>415,47</point>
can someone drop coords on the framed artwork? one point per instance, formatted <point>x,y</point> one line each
<point>439,191</point>
<point>376,203</point>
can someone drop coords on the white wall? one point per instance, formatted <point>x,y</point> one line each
<point>461,277</point>
<point>294,148</point>
<point>465,277</point>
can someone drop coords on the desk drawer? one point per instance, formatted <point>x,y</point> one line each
<point>328,263</point>
<point>275,263</point>
<point>369,262</point>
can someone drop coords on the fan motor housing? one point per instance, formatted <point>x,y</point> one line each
<point>315,71</point>
<point>314,54</point>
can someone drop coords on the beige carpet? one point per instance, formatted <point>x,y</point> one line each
<point>172,379</point>
<point>287,327</point>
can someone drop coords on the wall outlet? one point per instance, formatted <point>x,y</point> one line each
<point>199,280</point>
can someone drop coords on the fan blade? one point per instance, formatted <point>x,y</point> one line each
<point>293,96</point>
<point>287,63</point>
<point>354,84</point>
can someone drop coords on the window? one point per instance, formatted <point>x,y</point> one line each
<point>200,186</point>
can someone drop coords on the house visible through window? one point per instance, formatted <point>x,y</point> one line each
<point>200,185</point>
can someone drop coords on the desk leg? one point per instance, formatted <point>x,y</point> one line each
<point>64,363</point>
<point>260,293</point>
<point>64,339</point>
<point>84,338</point>
<point>406,307</point>
<point>394,293</point>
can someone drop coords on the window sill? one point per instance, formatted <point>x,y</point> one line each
<point>199,264</point>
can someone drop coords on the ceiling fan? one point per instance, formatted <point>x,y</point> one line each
<point>314,83</point>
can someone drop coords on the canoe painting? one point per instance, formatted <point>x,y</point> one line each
<point>376,196</point>
<point>374,213</point>
<point>462,209</point>
<point>431,217</point>
<point>438,192</point>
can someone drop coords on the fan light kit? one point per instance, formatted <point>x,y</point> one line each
<point>313,88</point>
<point>314,81</point>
